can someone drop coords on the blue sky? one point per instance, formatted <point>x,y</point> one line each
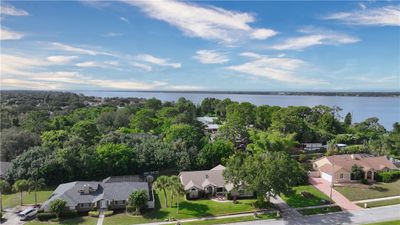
<point>201,45</point>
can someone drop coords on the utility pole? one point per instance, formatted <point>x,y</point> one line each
<point>332,179</point>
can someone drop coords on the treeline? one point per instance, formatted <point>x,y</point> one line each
<point>119,136</point>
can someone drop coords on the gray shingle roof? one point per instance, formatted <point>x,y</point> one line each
<point>72,192</point>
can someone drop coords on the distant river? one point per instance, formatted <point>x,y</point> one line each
<point>387,109</point>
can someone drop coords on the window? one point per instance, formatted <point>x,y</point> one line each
<point>341,176</point>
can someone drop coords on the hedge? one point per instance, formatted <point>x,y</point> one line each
<point>68,214</point>
<point>388,176</point>
<point>44,216</point>
<point>108,213</point>
<point>94,213</point>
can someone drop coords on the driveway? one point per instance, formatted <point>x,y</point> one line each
<point>340,200</point>
<point>10,217</point>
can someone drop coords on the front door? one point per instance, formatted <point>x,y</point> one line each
<point>103,204</point>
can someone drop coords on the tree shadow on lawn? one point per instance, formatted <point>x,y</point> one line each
<point>380,189</point>
<point>297,200</point>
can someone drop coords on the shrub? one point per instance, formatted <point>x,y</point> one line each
<point>108,213</point>
<point>364,181</point>
<point>68,214</point>
<point>1,215</point>
<point>130,209</point>
<point>44,216</point>
<point>94,213</point>
<point>388,176</point>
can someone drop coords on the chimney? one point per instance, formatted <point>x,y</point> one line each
<point>206,176</point>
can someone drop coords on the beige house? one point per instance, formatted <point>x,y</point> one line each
<point>209,183</point>
<point>337,168</point>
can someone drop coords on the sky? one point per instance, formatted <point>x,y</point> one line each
<point>201,45</point>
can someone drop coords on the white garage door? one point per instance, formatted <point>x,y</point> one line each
<point>326,177</point>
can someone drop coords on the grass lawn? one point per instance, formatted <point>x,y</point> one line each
<point>393,222</point>
<point>381,203</point>
<point>356,192</point>
<point>295,200</point>
<point>12,200</point>
<point>84,220</point>
<point>232,220</point>
<point>187,209</point>
<point>320,210</point>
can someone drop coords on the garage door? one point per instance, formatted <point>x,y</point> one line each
<point>326,177</point>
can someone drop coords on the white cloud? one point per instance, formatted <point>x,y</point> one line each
<point>142,66</point>
<point>112,34</point>
<point>262,34</point>
<point>211,57</point>
<point>111,63</point>
<point>6,34</point>
<point>157,61</point>
<point>83,51</point>
<point>383,16</point>
<point>183,87</point>
<point>315,37</point>
<point>279,69</point>
<point>124,19</point>
<point>9,10</point>
<point>61,58</point>
<point>206,22</point>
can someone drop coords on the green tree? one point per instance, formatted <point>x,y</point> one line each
<point>138,199</point>
<point>35,185</point>
<point>58,206</point>
<point>86,130</point>
<point>145,121</point>
<point>162,184</point>
<point>36,121</point>
<point>215,153</point>
<point>268,173</point>
<point>54,139</point>
<point>115,159</point>
<point>15,141</point>
<point>153,104</point>
<point>264,116</point>
<point>4,187</point>
<point>177,190</point>
<point>271,141</point>
<point>185,132</point>
<point>347,119</point>
<point>357,172</point>
<point>21,186</point>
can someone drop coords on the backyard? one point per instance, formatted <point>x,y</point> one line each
<point>355,192</point>
<point>296,200</point>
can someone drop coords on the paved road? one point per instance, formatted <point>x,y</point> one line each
<point>339,199</point>
<point>347,217</point>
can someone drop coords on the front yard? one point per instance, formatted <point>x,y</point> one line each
<point>82,220</point>
<point>296,200</point>
<point>12,200</point>
<point>381,203</point>
<point>187,209</point>
<point>355,192</point>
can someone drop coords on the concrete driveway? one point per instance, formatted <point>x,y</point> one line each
<point>10,217</point>
<point>340,200</point>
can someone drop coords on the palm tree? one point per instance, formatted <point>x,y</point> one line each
<point>177,190</point>
<point>20,186</point>
<point>162,184</point>
<point>4,186</point>
<point>35,185</point>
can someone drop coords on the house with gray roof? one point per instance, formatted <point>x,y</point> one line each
<point>111,193</point>
<point>209,183</point>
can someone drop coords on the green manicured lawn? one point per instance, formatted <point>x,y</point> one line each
<point>320,210</point>
<point>12,200</point>
<point>356,192</point>
<point>381,203</point>
<point>187,209</point>
<point>232,220</point>
<point>296,200</point>
<point>393,222</point>
<point>83,220</point>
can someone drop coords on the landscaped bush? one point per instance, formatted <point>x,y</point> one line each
<point>364,181</point>
<point>108,213</point>
<point>44,216</point>
<point>130,209</point>
<point>68,214</point>
<point>388,176</point>
<point>94,213</point>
